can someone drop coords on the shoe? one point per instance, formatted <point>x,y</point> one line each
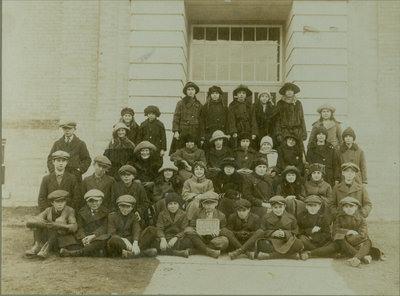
<point>264,256</point>
<point>44,251</point>
<point>234,254</point>
<point>152,252</point>
<point>305,255</point>
<point>355,262</point>
<point>181,253</point>
<point>251,255</point>
<point>213,253</point>
<point>68,253</point>
<point>128,254</point>
<point>34,250</point>
<point>366,259</point>
<point>295,256</point>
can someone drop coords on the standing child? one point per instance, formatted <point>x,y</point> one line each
<point>153,130</point>
<point>79,161</point>
<point>127,117</point>
<point>351,152</point>
<point>328,121</point>
<point>53,228</point>
<point>316,185</point>
<point>290,152</point>
<point>92,227</point>
<point>244,155</point>
<point>99,180</point>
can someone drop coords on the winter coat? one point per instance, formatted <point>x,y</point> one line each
<point>215,157</point>
<point>124,226</point>
<point>266,119</point>
<point>357,191</point>
<point>290,156</point>
<point>237,225</point>
<point>147,169</point>
<point>154,132</point>
<point>223,182</point>
<point>133,133</point>
<point>190,155</point>
<point>320,188</point>
<point>168,227</point>
<point>244,119</point>
<point>216,116</point>
<point>79,161</point>
<point>334,133</point>
<point>187,117</point>
<point>291,119</point>
<point>355,155</point>
<point>195,186</point>
<point>103,184</point>
<point>257,189</point>
<point>328,156</point>
<point>136,190</point>
<point>287,223</point>
<point>244,158</point>
<point>50,184</point>
<point>89,223</point>
<point>343,223</point>
<point>119,152</point>
<point>161,187</point>
<point>297,189</point>
<point>306,223</point>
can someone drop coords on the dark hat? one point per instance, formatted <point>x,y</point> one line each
<point>60,154</point>
<point>214,88</point>
<point>312,199</point>
<point>349,200</point>
<point>351,165</point>
<point>127,110</point>
<point>218,135</point>
<point>152,109</point>
<point>127,168</point>
<point>102,160</point>
<point>201,164</point>
<point>58,194</point>
<point>259,161</point>
<point>244,88</point>
<point>209,196</point>
<point>143,145</point>
<point>290,168</point>
<point>349,132</point>
<point>229,161</point>
<point>94,194</point>
<point>242,203</point>
<point>277,199</point>
<point>244,136</point>
<point>68,124</point>
<point>172,197</point>
<point>119,125</point>
<point>188,138</point>
<point>287,86</point>
<point>290,135</point>
<point>326,106</point>
<point>314,167</point>
<point>126,200</point>
<point>323,130</point>
<point>190,84</point>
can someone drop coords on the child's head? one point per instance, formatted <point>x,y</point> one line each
<point>189,141</point>
<point>321,134</point>
<point>313,204</point>
<point>68,127</point>
<point>218,138</point>
<point>214,92</point>
<point>229,166</point>
<point>199,169</point>
<point>290,140</point>
<point>94,198</point>
<point>289,90</point>
<point>290,174</point>
<point>349,205</point>
<point>190,89</point>
<point>168,169</point>
<point>260,166</point>
<point>127,115</point>
<point>125,204</point>
<point>244,140</point>
<point>100,165</point>
<point>349,171</point>
<point>60,160</point>
<point>172,201</point>
<point>144,148</point>
<point>264,96</point>
<point>241,92</point>
<point>266,144</point>
<point>317,170</point>
<point>120,130</point>
<point>58,199</point>
<point>152,112</point>
<point>127,173</point>
<point>326,111</point>
<point>278,205</point>
<point>349,136</point>
<point>243,207</point>
<point>209,200</point>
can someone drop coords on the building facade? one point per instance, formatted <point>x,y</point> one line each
<point>87,59</point>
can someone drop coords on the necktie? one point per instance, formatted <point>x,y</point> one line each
<point>68,140</point>
<point>59,179</point>
<point>94,212</point>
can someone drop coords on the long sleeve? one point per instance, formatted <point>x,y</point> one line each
<point>248,193</point>
<point>42,198</point>
<point>177,118</point>
<point>303,123</point>
<point>339,133</point>
<point>50,165</point>
<point>135,230</point>
<point>84,158</point>
<point>163,137</point>
<point>80,234</point>
<point>366,203</point>
<point>363,167</point>
<point>187,195</point>
<point>231,125</point>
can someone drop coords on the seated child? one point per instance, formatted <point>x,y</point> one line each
<point>351,152</point>
<point>244,155</point>
<point>290,152</point>
<point>321,151</point>
<point>258,189</point>
<point>314,229</point>
<point>153,130</point>
<point>100,180</point>
<point>280,230</point>
<point>92,227</point>
<point>349,187</point>
<point>210,244</point>
<point>195,187</point>
<point>218,150</point>
<point>120,149</point>
<point>171,224</point>
<point>54,227</point>
<point>316,185</point>
<point>184,158</point>
<point>128,118</point>
<point>245,227</point>
<point>58,179</point>
<point>267,152</point>
<point>123,226</point>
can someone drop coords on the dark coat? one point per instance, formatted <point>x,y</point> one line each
<point>235,224</point>
<point>133,133</point>
<point>223,182</point>
<point>50,184</point>
<point>266,120</point>
<point>104,185</point>
<point>190,155</point>
<point>147,169</point>
<point>119,152</point>
<point>161,187</point>
<point>136,190</point>
<point>154,132</point>
<point>187,117</point>
<point>243,158</point>
<point>216,116</point>
<point>306,223</point>
<point>355,155</point>
<point>79,156</point>
<point>287,223</point>
<point>334,133</point>
<point>168,228</point>
<point>89,224</point>
<point>215,157</point>
<point>291,119</point>
<point>290,156</point>
<point>328,156</point>
<point>244,119</point>
<point>124,226</point>
<point>344,223</point>
<point>258,189</point>
<point>320,188</point>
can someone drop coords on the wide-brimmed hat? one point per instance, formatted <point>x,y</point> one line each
<point>68,124</point>
<point>326,106</point>
<point>126,200</point>
<point>244,88</point>
<point>60,154</point>
<point>277,199</point>
<point>94,194</point>
<point>218,135</point>
<point>349,132</point>
<point>215,88</point>
<point>167,165</point>
<point>229,161</point>
<point>143,145</point>
<point>57,195</point>
<point>190,84</point>
<point>102,160</point>
<point>119,125</point>
<point>127,110</point>
<point>152,109</point>
<point>350,165</point>
<point>349,200</point>
<point>287,86</point>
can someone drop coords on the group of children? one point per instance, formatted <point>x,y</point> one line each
<point>241,167</point>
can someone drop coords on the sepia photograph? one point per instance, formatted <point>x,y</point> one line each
<point>200,147</point>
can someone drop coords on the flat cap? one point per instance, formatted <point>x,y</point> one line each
<point>60,154</point>
<point>68,124</point>
<point>350,165</point>
<point>277,199</point>
<point>242,203</point>
<point>94,194</point>
<point>127,169</point>
<point>209,196</point>
<point>103,160</point>
<point>58,194</point>
<point>349,200</point>
<point>313,199</point>
<point>126,200</point>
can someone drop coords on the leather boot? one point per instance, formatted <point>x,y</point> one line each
<point>34,250</point>
<point>234,254</point>
<point>44,251</point>
<point>152,252</point>
<point>213,253</point>
<point>181,253</point>
<point>68,253</point>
